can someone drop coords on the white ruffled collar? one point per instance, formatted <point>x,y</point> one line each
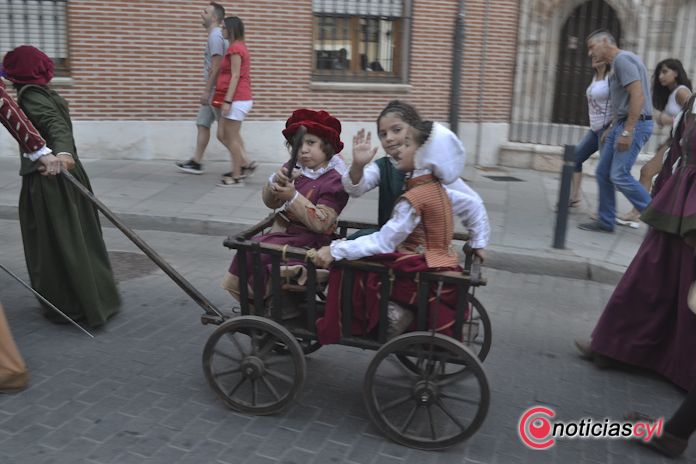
<point>420,172</point>
<point>336,162</point>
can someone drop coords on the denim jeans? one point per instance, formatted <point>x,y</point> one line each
<point>614,172</point>
<point>587,146</point>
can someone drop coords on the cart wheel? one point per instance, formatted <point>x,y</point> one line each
<point>308,346</point>
<point>477,334</point>
<point>242,367</point>
<point>440,404</point>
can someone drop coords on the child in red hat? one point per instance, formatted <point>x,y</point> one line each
<point>310,195</point>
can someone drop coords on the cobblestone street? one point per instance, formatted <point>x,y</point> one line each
<point>136,393</point>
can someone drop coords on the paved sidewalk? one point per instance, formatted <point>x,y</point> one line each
<point>154,195</point>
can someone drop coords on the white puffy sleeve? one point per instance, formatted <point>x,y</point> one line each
<point>370,180</point>
<point>469,207</point>
<point>403,221</point>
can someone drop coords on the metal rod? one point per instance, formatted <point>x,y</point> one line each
<point>559,234</point>
<point>184,284</point>
<point>50,305</point>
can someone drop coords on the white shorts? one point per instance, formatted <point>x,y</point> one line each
<point>239,110</point>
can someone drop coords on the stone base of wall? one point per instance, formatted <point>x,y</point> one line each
<point>175,140</point>
<point>550,158</point>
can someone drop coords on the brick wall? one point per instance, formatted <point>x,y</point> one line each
<point>141,60</point>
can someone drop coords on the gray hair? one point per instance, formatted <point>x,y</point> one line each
<point>601,35</point>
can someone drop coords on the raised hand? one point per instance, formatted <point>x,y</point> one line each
<point>363,152</point>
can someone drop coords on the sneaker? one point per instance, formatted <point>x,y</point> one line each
<point>629,219</point>
<point>632,215</point>
<point>631,224</point>
<point>190,167</point>
<point>594,226</point>
<point>231,182</point>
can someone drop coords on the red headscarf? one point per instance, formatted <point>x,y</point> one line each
<point>319,123</point>
<point>27,65</point>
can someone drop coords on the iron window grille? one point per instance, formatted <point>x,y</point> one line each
<point>41,23</point>
<point>360,40</point>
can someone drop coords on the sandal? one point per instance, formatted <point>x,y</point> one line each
<point>249,169</point>
<point>229,181</point>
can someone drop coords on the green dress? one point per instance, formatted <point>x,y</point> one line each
<point>63,244</point>
<point>391,186</point>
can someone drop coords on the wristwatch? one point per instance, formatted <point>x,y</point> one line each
<point>626,133</point>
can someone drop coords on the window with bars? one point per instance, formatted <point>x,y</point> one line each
<point>360,40</point>
<point>41,23</point>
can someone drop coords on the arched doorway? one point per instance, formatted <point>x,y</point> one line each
<point>574,72</point>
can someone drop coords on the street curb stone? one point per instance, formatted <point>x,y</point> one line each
<point>557,263</point>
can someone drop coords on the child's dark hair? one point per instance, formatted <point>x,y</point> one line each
<point>326,147</point>
<point>406,112</point>
<point>235,28</point>
<point>422,132</point>
<point>660,93</point>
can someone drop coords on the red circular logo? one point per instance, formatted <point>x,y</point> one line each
<point>534,428</point>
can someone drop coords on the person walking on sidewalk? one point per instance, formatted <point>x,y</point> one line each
<point>212,17</point>
<point>233,96</point>
<point>629,90</point>
<point>599,112</point>
<point>647,321</point>
<point>63,244</point>
<point>671,90</point>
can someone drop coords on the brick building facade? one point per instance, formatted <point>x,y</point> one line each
<point>134,69</point>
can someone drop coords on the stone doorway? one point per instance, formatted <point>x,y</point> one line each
<point>574,68</point>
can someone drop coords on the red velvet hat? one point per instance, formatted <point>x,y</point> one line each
<point>27,65</point>
<point>319,123</point>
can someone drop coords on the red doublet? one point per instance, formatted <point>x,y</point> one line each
<point>17,123</point>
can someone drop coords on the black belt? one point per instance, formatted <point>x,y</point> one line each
<point>642,117</point>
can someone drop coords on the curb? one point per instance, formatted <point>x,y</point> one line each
<point>558,263</point>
